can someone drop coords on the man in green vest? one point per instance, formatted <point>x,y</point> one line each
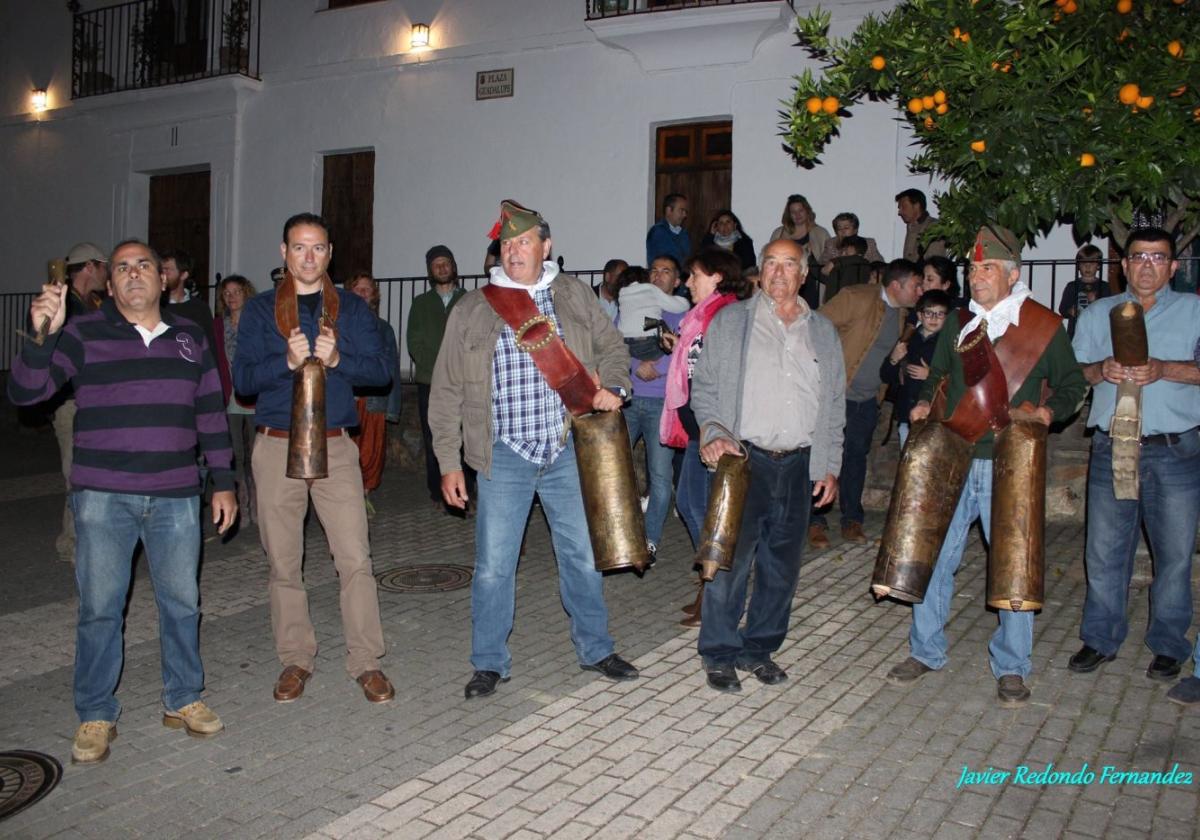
<point>1002,310</point>
<point>426,324</point>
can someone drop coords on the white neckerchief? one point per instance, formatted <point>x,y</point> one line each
<point>549,272</point>
<point>1005,313</point>
<point>726,242</point>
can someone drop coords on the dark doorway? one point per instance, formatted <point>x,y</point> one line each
<point>696,160</point>
<point>348,205</point>
<point>179,220</point>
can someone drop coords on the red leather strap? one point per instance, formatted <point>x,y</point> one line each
<point>994,373</point>
<point>535,335</point>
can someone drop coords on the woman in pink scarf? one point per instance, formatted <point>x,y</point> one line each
<point>715,281</point>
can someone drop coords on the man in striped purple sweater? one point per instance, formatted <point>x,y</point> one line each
<point>147,395</point>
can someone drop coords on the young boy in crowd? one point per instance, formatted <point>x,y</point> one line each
<point>907,367</point>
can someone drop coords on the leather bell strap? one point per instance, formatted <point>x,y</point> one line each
<point>995,372</point>
<point>287,308</point>
<point>536,335</point>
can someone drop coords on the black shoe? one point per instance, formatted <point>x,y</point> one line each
<point>483,683</point>
<point>1088,659</point>
<point>724,678</point>
<point>1163,668</point>
<point>766,672</point>
<point>613,667</point>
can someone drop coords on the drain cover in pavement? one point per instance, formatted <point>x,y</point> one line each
<point>25,777</point>
<point>431,577</point>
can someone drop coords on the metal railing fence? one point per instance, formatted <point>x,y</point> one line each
<point>599,9</point>
<point>149,43</point>
<point>397,293</point>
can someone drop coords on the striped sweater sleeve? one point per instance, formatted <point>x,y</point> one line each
<point>212,426</point>
<point>39,372</point>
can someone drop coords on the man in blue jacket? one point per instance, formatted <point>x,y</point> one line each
<point>306,316</point>
<point>667,236</point>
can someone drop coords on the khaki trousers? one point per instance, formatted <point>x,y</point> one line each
<point>64,430</point>
<point>338,499</point>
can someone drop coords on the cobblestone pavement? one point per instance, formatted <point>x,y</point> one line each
<point>835,751</point>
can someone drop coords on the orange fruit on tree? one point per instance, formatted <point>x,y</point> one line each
<point>1070,7</point>
<point>979,146</point>
<point>916,105</point>
<point>943,108</point>
<point>1087,159</point>
<point>878,62</point>
<point>1179,91</point>
<point>1124,34</point>
<point>939,97</point>
<point>1087,112</point>
<point>1124,7</point>
<point>1145,102</point>
<point>928,123</point>
<point>1175,49</point>
<point>927,102</point>
<point>813,105</point>
<point>1128,94</point>
<point>830,105</point>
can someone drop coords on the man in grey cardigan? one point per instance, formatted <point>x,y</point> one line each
<point>772,377</point>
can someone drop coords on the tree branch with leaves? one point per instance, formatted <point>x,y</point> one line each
<point>1034,113</point>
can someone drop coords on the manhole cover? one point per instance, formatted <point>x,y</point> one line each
<point>431,577</point>
<point>25,777</point>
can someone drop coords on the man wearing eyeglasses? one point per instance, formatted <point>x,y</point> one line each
<point>1168,467</point>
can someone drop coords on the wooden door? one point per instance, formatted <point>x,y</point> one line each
<point>179,220</point>
<point>348,205</point>
<point>695,160</point>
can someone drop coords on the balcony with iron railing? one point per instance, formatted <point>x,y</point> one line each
<point>599,9</point>
<point>150,43</point>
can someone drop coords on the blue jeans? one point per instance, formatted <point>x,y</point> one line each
<point>1012,643</point>
<point>107,529</point>
<point>861,418</point>
<point>1169,477</point>
<point>691,497</point>
<point>771,542</point>
<point>505,498</point>
<point>642,417</point>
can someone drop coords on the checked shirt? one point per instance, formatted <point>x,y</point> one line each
<point>527,414</point>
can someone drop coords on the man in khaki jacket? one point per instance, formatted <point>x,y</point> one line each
<point>489,397</point>
<point>869,320</point>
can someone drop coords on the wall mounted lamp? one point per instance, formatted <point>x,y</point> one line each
<point>420,35</point>
<point>38,100</point>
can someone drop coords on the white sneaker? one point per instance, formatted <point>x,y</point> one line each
<point>645,503</point>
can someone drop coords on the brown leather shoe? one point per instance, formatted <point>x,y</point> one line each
<point>290,684</point>
<point>853,532</point>
<point>376,687</point>
<point>817,537</point>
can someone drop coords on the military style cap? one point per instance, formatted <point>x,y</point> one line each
<point>514,220</point>
<point>996,243</point>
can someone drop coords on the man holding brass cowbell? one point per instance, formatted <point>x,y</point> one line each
<point>516,383</point>
<point>1137,350</point>
<point>988,459</point>
<point>302,348</point>
<point>770,385</point>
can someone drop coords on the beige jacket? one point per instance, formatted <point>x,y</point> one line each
<point>913,251</point>
<point>857,313</point>
<point>460,396</point>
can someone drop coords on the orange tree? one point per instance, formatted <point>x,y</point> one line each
<point>1033,113</point>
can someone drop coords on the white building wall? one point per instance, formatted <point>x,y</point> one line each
<point>576,140</point>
